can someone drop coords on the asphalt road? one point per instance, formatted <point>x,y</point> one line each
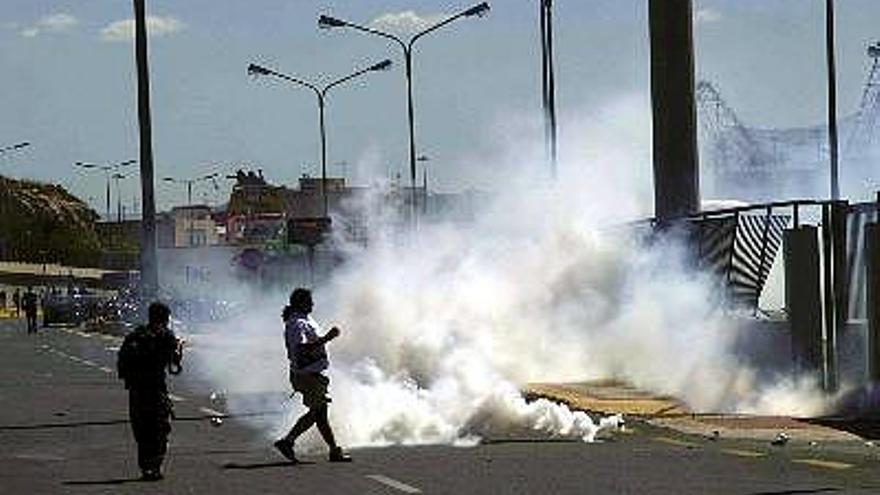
<point>63,429</point>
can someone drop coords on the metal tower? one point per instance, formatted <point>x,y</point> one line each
<point>863,136</point>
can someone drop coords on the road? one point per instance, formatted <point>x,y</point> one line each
<point>63,429</point>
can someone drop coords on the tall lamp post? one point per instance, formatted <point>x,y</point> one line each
<point>189,190</point>
<point>328,22</point>
<point>109,170</point>
<point>548,84</point>
<point>118,177</point>
<point>832,99</point>
<point>321,93</point>
<point>424,159</point>
<point>189,183</point>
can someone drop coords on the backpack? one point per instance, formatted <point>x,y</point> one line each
<point>142,358</point>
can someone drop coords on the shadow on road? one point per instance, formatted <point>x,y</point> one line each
<point>63,425</point>
<point>118,481</point>
<point>264,465</point>
<point>799,492</point>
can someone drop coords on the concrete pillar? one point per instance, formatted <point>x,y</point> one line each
<point>872,258</point>
<point>802,298</point>
<point>835,286</point>
<point>676,165</point>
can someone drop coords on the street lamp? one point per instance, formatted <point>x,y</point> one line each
<point>189,183</point>
<point>328,22</point>
<point>189,187</point>
<point>14,147</point>
<point>321,93</point>
<point>108,170</point>
<point>424,159</point>
<point>118,176</point>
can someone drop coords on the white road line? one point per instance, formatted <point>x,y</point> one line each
<point>88,363</point>
<point>83,334</point>
<point>208,410</point>
<point>105,369</point>
<point>397,485</point>
<point>176,398</point>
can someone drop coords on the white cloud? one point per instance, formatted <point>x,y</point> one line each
<point>57,22</point>
<point>706,16</point>
<point>156,26</point>
<point>405,22</point>
<point>52,23</point>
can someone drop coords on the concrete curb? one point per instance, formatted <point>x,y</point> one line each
<point>613,397</point>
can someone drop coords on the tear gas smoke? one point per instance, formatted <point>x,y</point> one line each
<point>440,329</point>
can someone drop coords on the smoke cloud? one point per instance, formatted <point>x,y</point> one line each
<point>441,327</point>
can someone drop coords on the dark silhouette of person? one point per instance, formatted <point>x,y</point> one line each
<point>29,305</point>
<point>308,366</point>
<point>16,300</point>
<point>145,355</point>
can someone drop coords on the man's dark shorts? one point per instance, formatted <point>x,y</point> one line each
<point>312,386</point>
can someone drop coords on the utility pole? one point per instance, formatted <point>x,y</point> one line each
<point>148,264</point>
<point>676,163</point>
<point>548,84</point>
<point>832,99</point>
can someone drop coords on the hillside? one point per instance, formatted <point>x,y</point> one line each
<point>44,223</point>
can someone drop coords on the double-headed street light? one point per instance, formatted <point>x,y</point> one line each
<point>189,191</point>
<point>321,93</point>
<point>14,147</point>
<point>189,183</point>
<point>118,177</point>
<point>328,22</point>
<point>108,170</point>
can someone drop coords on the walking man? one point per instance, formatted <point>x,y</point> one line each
<point>16,301</point>
<point>308,367</point>
<point>145,355</point>
<point>29,304</point>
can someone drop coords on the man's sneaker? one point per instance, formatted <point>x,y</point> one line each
<point>286,449</point>
<point>337,455</point>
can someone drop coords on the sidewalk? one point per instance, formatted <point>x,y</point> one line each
<point>612,397</point>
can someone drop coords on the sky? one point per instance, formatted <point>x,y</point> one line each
<point>68,82</point>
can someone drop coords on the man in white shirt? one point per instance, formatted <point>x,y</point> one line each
<point>308,366</point>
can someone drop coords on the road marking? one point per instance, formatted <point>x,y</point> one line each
<point>823,464</point>
<point>105,369</point>
<point>744,453</point>
<point>83,334</point>
<point>673,441</point>
<point>208,410</point>
<point>176,398</point>
<point>88,363</point>
<point>393,483</point>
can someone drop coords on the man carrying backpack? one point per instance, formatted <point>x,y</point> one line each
<point>145,355</point>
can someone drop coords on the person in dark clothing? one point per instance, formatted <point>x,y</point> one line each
<point>145,355</point>
<point>308,365</point>
<point>16,301</point>
<point>29,304</point>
